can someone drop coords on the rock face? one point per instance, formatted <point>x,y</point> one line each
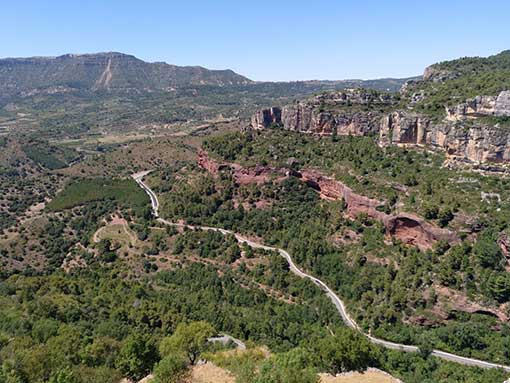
<point>353,111</point>
<point>476,143</point>
<point>403,128</point>
<point>208,164</point>
<point>266,117</point>
<point>458,302</point>
<point>409,228</point>
<point>243,176</point>
<point>361,113</point>
<point>502,107</point>
<point>482,106</point>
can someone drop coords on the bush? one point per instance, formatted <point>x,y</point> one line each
<point>171,369</point>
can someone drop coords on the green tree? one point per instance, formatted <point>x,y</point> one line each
<point>500,288</point>
<point>189,340</point>
<point>346,351</point>
<point>171,369</point>
<point>444,217</point>
<point>487,250</point>
<point>295,366</point>
<point>136,356</point>
<point>65,375</point>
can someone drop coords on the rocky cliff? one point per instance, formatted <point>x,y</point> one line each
<point>438,111</point>
<point>466,140</point>
<point>408,228</point>
<point>481,106</point>
<point>348,112</point>
<point>466,132</point>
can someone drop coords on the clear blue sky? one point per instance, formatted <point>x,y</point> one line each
<point>264,40</point>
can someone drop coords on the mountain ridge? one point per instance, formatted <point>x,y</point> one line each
<point>105,71</point>
<point>116,71</point>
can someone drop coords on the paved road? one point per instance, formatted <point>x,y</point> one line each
<point>138,177</point>
<point>225,339</point>
<point>339,304</point>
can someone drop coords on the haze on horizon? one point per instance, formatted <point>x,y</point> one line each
<point>265,41</point>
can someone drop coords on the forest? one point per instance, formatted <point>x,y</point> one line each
<point>390,287</point>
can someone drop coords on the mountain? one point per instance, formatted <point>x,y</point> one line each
<point>103,71</point>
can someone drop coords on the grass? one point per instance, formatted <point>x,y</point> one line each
<point>209,373</point>
<point>123,192</point>
<point>117,233</point>
<point>44,157</point>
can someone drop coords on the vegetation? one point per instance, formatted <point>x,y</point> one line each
<point>50,157</point>
<point>462,79</point>
<point>409,180</point>
<point>82,302</point>
<point>371,274</point>
<point>123,192</point>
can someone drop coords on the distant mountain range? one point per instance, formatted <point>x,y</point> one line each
<point>104,71</point>
<point>113,71</point>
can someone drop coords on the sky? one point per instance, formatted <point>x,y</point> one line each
<point>276,40</point>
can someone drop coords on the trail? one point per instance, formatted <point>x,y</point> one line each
<point>339,304</point>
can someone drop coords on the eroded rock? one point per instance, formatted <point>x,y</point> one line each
<point>409,228</point>
<point>329,113</point>
<point>463,134</point>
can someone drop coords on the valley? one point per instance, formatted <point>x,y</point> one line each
<point>338,229</point>
<point>339,304</point>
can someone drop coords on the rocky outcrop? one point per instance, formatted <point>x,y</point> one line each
<point>205,162</point>
<point>474,142</point>
<point>403,128</point>
<point>266,117</point>
<point>257,175</point>
<point>350,112</point>
<point>333,190</point>
<point>464,136</point>
<point>451,300</point>
<point>414,230</point>
<point>435,73</point>
<point>243,176</point>
<point>481,106</point>
<point>502,107</point>
<point>409,228</point>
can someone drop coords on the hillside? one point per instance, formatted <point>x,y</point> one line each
<point>467,66</point>
<point>103,71</point>
<point>113,71</point>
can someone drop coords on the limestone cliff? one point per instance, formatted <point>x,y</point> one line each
<point>442,111</point>
<point>473,141</point>
<point>464,133</point>
<point>349,112</point>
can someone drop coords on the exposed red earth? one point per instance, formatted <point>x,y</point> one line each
<point>406,227</point>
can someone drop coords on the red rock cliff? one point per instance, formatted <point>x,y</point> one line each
<point>409,228</point>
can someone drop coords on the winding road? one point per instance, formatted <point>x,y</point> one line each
<point>339,304</point>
